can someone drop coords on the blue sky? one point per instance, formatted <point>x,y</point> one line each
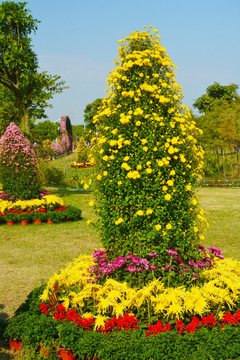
<point>77,40</point>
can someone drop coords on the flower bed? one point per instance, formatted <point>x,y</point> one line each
<point>49,207</point>
<point>219,183</point>
<point>81,164</point>
<point>114,320</point>
<point>124,337</point>
<point>78,177</point>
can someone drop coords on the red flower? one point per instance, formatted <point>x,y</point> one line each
<point>180,326</point>
<point>44,309</point>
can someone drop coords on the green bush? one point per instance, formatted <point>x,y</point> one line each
<point>32,303</point>
<point>82,150</point>
<point>206,344</point>
<point>51,175</point>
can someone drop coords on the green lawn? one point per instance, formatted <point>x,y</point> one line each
<point>30,254</point>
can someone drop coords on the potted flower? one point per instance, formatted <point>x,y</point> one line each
<point>50,217</point>
<point>39,217</point>
<point>40,335</point>
<point>25,218</point>
<point>14,331</point>
<point>68,334</point>
<point>10,218</point>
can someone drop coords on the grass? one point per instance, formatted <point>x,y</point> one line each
<point>222,208</point>
<point>30,254</point>
<point>64,162</point>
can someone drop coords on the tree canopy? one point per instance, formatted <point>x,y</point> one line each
<point>45,130</point>
<point>215,92</point>
<point>21,83</point>
<point>89,112</point>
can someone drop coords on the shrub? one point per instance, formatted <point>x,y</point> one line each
<point>45,151</point>
<point>148,159</point>
<point>82,150</point>
<point>51,175</point>
<point>19,176</point>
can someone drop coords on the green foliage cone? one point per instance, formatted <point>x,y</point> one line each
<point>82,150</point>
<point>148,159</point>
<point>18,168</point>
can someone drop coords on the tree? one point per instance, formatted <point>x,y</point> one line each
<point>45,130</point>
<point>221,131</point>
<point>215,92</point>
<point>89,113</point>
<point>28,89</point>
<point>8,110</point>
<point>77,131</point>
<point>148,158</point>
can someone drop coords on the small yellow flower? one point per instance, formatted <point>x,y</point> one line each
<point>158,227</point>
<point>167,197</point>
<point>149,211</point>
<point>139,212</point>
<point>119,221</point>
<point>91,203</point>
<point>168,226</point>
<point>89,221</point>
<point>145,148</point>
<point>105,173</point>
<point>170,183</point>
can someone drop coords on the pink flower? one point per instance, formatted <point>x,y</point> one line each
<point>131,268</point>
<point>172,252</point>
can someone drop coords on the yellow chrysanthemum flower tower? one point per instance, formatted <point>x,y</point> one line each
<point>148,159</point>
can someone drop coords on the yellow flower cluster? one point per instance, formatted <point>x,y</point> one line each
<point>220,291</point>
<point>47,201</point>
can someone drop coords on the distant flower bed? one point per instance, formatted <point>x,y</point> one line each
<point>81,164</point>
<point>50,208</point>
<point>78,177</point>
<point>219,183</point>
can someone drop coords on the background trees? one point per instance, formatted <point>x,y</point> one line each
<point>22,86</point>
<point>89,112</point>
<point>220,123</point>
<point>214,93</point>
<point>45,130</point>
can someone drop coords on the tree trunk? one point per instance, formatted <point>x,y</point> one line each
<point>223,164</point>
<point>231,164</point>
<point>218,163</point>
<point>238,172</point>
<point>25,123</point>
